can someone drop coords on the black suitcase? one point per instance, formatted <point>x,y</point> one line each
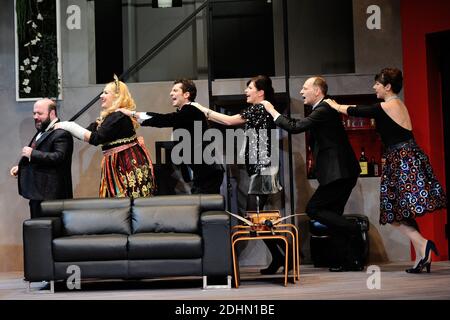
<point>321,250</point>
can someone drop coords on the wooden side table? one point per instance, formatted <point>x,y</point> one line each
<point>281,232</point>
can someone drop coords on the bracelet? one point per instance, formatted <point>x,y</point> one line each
<point>133,114</point>
<point>208,113</point>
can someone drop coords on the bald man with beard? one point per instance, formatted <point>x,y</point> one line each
<point>44,170</point>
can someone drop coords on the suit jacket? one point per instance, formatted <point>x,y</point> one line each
<point>181,119</point>
<point>185,118</point>
<point>48,175</point>
<point>334,157</point>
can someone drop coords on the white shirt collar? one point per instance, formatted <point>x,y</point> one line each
<point>50,126</point>
<point>317,103</point>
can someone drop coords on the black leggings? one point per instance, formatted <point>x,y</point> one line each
<point>252,203</point>
<point>274,246</point>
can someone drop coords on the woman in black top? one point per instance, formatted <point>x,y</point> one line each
<point>262,172</point>
<point>127,170</point>
<point>409,188</point>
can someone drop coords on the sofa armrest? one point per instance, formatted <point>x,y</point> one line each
<point>216,243</point>
<point>38,234</point>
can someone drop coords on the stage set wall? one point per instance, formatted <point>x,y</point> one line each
<point>423,97</point>
<point>373,49</point>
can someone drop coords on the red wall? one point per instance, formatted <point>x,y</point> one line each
<point>422,96</point>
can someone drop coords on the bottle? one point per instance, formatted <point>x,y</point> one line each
<point>363,164</point>
<point>376,169</point>
<point>349,123</point>
<point>371,168</point>
<point>383,162</point>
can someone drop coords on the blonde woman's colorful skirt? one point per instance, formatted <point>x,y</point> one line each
<point>127,171</point>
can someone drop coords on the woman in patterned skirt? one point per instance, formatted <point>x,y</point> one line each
<point>409,188</point>
<point>127,169</point>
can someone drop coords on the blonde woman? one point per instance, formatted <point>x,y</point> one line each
<point>127,170</point>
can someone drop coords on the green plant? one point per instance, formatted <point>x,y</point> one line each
<point>37,48</point>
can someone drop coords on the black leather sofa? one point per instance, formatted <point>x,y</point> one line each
<point>181,235</point>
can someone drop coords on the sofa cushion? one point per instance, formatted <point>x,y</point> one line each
<point>90,248</point>
<point>184,219</point>
<point>164,246</point>
<point>96,221</point>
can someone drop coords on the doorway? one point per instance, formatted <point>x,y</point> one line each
<point>242,38</point>
<point>438,47</point>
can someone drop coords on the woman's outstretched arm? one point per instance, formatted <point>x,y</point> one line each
<point>220,117</point>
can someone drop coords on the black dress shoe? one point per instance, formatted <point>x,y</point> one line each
<point>273,267</point>
<point>336,269</point>
<point>355,265</point>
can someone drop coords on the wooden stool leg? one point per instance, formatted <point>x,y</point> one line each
<point>286,259</point>
<point>297,252</point>
<point>236,274</point>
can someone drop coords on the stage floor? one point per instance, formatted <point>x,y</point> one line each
<point>314,284</point>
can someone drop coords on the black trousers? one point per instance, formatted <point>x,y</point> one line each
<point>207,179</point>
<point>327,206</point>
<point>35,208</point>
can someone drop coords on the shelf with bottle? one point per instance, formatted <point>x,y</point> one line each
<point>368,149</point>
<point>361,134</point>
<point>368,168</point>
<point>357,123</point>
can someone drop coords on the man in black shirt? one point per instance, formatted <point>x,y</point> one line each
<point>207,178</point>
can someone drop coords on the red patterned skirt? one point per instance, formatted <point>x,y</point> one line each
<point>409,187</point>
<point>127,171</point>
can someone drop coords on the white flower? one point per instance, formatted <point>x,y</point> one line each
<point>39,17</point>
<point>33,42</point>
<point>34,25</point>
<point>29,21</point>
<point>26,81</point>
<point>39,35</point>
<point>27,89</point>
<point>35,59</point>
<point>22,68</point>
<point>26,44</point>
<point>28,71</point>
<point>26,61</point>
<point>33,67</point>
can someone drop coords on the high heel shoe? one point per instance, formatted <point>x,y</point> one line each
<point>423,263</point>
<point>431,246</point>
<point>273,267</point>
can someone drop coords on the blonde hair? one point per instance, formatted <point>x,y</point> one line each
<point>123,100</point>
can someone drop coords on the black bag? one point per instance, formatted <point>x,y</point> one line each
<point>357,248</point>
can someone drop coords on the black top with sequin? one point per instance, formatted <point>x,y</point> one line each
<point>258,130</point>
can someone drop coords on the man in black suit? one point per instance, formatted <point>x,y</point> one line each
<point>44,171</point>
<point>207,178</point>
<point>336,166</point>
